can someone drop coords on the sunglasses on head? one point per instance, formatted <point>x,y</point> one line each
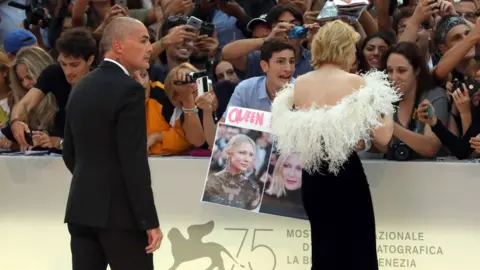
<point>188,80</point>
<point>174,18</point>
<point>469,14</point>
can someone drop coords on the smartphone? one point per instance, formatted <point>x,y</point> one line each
<point>122,3</point>
<point>298,32</point>
<point>202,85</point>
<point>430,111</point>
<point>29,138</point>
<point>210,85</point>
<point>195,23</point>
<point>472,85</point>
<point>207,29</point>
<point>329,12</point>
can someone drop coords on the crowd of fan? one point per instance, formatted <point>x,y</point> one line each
<point>429,49</point>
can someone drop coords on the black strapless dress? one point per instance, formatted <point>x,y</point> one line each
<point>341,217</point>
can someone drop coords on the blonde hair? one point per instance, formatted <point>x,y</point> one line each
<point>236,141</point>
<point>4,68</point>
<point>277,184</point>
<point>172,75</point>
<point>36,60</point>
<point>4,58</point>
<point>333,43</point>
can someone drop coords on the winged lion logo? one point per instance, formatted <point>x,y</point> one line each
<point>193,247</point>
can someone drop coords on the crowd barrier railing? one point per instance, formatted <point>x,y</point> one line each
<point>426,213</point>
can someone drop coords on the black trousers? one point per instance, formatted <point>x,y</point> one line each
<point>94,249</point>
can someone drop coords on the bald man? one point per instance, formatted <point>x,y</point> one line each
<point>111,213</point>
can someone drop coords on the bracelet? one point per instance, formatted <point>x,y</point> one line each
<point>13,121</point>
<point>190,111</point>
<point>7,144</point>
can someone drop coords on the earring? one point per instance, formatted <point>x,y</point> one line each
<point>227,163</point>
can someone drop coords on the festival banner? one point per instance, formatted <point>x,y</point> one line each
<point>426,216</point>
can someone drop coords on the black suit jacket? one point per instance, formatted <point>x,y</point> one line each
<point>105,149</point>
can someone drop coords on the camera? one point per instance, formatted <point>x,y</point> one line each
<point>472,85</point>
<point>195,75</point>
<point>399,152</point>
<point>297,32</point>
<point>204,84</point>
<point>34,13</point>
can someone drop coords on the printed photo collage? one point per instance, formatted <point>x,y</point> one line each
<point>246,172</point>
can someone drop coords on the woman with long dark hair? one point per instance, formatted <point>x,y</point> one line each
<point>371,51</point>
<point>408,71</point>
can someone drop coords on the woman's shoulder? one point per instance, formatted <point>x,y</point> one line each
<point>355,80</point>
<point>331,133</point>
<point>343,75</point>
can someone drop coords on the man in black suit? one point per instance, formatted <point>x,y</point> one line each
<point>111,213</point>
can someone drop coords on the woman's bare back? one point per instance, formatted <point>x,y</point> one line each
<point>325,87</point>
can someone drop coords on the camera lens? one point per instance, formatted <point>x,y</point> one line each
<point>402,153</point>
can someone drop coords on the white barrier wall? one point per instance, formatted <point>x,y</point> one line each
<point>428,218</point>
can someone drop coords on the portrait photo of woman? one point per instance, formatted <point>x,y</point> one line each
<point>283,187</point>
<point>239,159</point>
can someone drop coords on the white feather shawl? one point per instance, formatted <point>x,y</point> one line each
<point>331,134</point>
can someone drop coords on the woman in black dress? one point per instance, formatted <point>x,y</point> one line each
<point>335,114</point>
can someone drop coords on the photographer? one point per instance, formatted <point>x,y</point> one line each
<point>456,39</point>
<point>193,111</point>
<point>77,50</point>
<point>461,147</point>
<point>408,70</point>
<point>97,14</point>
<point>179,44</point>
<point>245,54</point>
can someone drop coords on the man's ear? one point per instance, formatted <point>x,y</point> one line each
<point>264,66</point>
<point>90,60</point>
